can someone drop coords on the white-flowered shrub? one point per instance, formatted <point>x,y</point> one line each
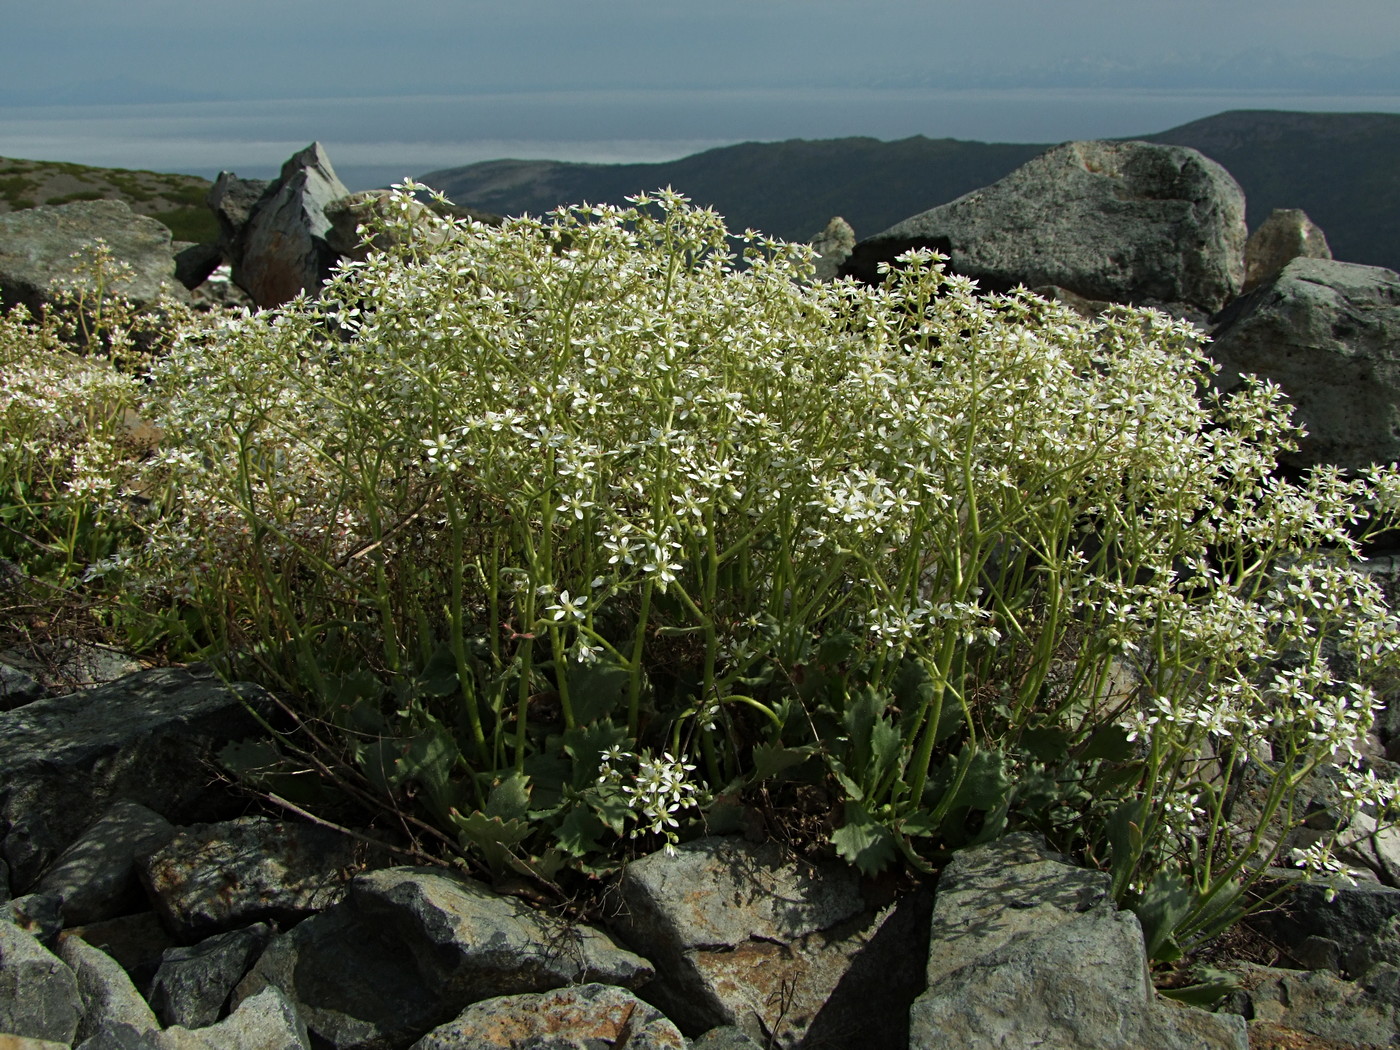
<point>506,502</point>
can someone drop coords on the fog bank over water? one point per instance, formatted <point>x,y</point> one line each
<point>373,141</point>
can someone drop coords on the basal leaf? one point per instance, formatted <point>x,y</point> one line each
<point>864,842</point>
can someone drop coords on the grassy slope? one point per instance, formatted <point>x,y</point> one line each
<point>176,200</point>
<point>1342,168</point>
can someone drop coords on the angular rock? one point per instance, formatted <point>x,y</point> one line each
<point>281,250</point>
<point>1287,234</point>
<point>348,213</point>
<point>194,264</point>
<point>37,247</point>
<point>232,201</point>
<point>1027,950</point>
<point>106,991</point>
<point>142,738</point>
<point>471,943</point>
<point>137,942</point>
<point>725,1037</point>
<point>1126,222</point>
<point>211,877</point>
<point>1328,333</point>
<point>194,984</point>
<point>68,665</point>
<point>789,953</point>
<point>355,987</point>
<point>1362,921</point>
<point>37,914</point>
<point>265,1022</point>
<point>38,995</point>
<point>17,687</point>
<point>95,877</point>
<point>19,1042</point>
<point>583,1016</point>
<point>1361,1013</point>
<point>833,247</point>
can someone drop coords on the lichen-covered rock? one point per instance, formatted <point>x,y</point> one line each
<point>39,996</point>
<point>1328,333</point>
<point>833,247</point>
<point>37,246</point>
<point>211,877</point>
<point>1126,222</point>
<point>472,943</point>
<point>1363,1013</point>
<point>790,953</point>
<point>583,1016</point>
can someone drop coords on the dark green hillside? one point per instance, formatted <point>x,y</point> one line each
<point>176,200</point>
<point>1343,169</point>
<point>788,189</point>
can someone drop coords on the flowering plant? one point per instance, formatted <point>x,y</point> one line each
<point>507,502</point>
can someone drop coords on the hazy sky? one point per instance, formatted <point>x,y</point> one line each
<point>184,85</point>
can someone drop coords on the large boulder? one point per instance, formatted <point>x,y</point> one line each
<point>95,878</point>
<point>1028,950</point>
<point>1328,333</point>
<point>280,251</point>
<point>39,996</point>
<point>37,246</point>
<point>1126,222</point>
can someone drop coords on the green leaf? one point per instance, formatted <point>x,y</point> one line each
<point>578,833</point>
<point>987,784</point>
<point>1047,743</point>
<point>586,744</point>
<point>1111,744</point>
<point>1125,842</point>
<point>886,749</point>
<point>597,690</point>
<point>771,759</point>
<point>1206,993</point>
<point>493,837</point>
<point>510,799</point>
<point>863,841</point>
<point>612,806</point>
<point>1166,901</point>
<point>439,676</point>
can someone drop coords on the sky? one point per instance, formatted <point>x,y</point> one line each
<point>401,89</point>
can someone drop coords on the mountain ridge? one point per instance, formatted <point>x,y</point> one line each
<point>1343,169</point>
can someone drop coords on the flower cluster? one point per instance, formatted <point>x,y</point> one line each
<point>657,790</point>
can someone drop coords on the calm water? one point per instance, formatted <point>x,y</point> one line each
<point>374,141</point>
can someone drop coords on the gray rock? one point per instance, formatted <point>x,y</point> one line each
<point>584,1016</point>
<point>68,665</point>
<point>1360,1013</point>
<point>472,943</point>
<point>355,988</point>
<point>1329,334</point>
<point>195,263</point>
<point>4,882</point>
<point>1285,235</point>
<point>833,247</point>
<point>17,687</point>
<point>95,877</point>
<point>348,213</point>
<point>143,738</point>
<point>1027,950</point>
<point>1126,222</point>
<point>725,1037</point>
<point>232,201</point>
<point>38,914</point>
<point>211,877</point>
<point>38,995</point>
<point>137,942</point>
<point>37,247</point>
<point>106,991</point>
<point>282,249</point>
<point>1363,921</point>
<point>19,1042</point>
<point>789,953</point>
<point>194,983</point>
<point>264,1022</point>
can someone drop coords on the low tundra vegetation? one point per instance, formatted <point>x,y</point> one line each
<point>583,534</point>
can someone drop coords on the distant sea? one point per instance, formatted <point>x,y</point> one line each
<point>374,141</point>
